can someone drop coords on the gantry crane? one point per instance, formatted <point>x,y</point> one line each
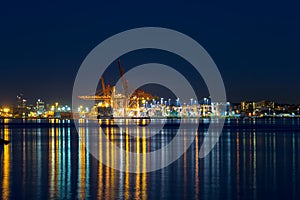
<point>109,97</point>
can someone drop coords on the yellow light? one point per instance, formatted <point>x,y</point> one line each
<point>6,110</point>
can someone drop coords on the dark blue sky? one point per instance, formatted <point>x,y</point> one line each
<point>255,44</point>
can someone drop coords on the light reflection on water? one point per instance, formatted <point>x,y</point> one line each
<point>253,159</point>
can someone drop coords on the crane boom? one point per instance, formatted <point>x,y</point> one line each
<point>124,87</point>
<point>124,83</point>
<point>103,87</point>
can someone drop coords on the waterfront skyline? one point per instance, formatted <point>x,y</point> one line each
<point>254,46</point>
<point>143,104</point>
<point>149,100</point>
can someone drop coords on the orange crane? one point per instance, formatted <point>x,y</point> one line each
<point>103,94</point>
<point>109,95</point>
<point>106,91</point>
<point>125,86</point>
<point>103,87</point>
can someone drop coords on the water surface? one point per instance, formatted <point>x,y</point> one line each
<point>254,159</point>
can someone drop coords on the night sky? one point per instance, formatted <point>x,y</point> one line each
<point>255,44</point>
